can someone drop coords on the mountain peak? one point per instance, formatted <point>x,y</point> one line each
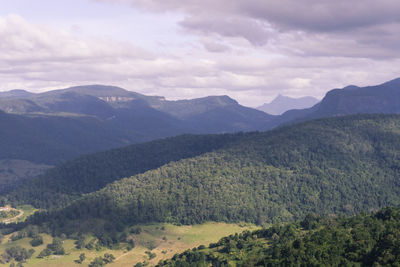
<point>281,104</point>
<point>16,93</point>
<point>99,90</point>
<point>222,100</point>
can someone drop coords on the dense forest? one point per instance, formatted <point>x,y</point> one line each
<point>88,173</point>
<point>341,165</point>
<point>362,240</point>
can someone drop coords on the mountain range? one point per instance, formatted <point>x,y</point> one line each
<point>52,127</point>
<point>114,116</point>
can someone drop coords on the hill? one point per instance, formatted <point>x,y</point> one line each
<point>281,104</point>
<point>88,173</point>
<point>52,139</point>
<point>362,240</point>
<point>339,165</point>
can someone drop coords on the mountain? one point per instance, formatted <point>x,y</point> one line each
<point>384,98</point>
<point>53,126</point>
<point>16,93</point>
<point>52,139</point>
<point>338,165</point>
<point>362,240</point>
<point>379,99</point>
<point>282,104</point>
<point>212,114</point>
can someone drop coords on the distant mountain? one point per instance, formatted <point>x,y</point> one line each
<point>114,117</point>
<point>384,98</point>
<point>213,114</point>
<point>282,104</point>
<point>379,99</point>
<point>16,93</point>
<point>54,126</point>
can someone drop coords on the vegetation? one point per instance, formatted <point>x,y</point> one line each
<point>55,248</point>
<point>340,165</point>
<point>362,240</point>
<point>36,241</point>
<point>101,261</point>
<point>15,172</point>
<point>6,214</point>
<point>59,186</point>
<point>81,258</point>
<point>16,253</point>
<point>179,238</point>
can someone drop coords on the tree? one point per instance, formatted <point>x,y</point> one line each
<point>97,262</point>
<point>36,241</point>
<point>81,259</point>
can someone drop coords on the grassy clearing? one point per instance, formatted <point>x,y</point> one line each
<point>28,211</point>
<point>24,212</point>
<point>164,240</point>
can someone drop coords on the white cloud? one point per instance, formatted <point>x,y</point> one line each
<point>252,62</point>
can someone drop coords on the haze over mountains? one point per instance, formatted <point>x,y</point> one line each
<point>281,104</point>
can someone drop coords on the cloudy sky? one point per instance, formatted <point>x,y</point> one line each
<point>251,50</point>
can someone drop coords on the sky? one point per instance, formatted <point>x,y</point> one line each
<point>251,50</point>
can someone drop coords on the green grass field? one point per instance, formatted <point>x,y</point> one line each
<point>164,240</point>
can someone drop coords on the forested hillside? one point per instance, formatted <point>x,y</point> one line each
<point>52,139</point>
<point>88,173</point>
<point>340,165</point>
<point>362,240</point>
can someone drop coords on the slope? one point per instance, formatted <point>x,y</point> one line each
<point>362,240</point>
<point>52,139</point>
<point>337,165</point>
<point>90,173</point>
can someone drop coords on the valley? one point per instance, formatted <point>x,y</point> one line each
<point>142,202</point>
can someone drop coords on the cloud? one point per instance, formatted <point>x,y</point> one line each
<point>318,15</point>
<point>215,47</point>
<point>24,42</point>
<point>235,52</point>
<point>357,28</point>
<point>254,31</point>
